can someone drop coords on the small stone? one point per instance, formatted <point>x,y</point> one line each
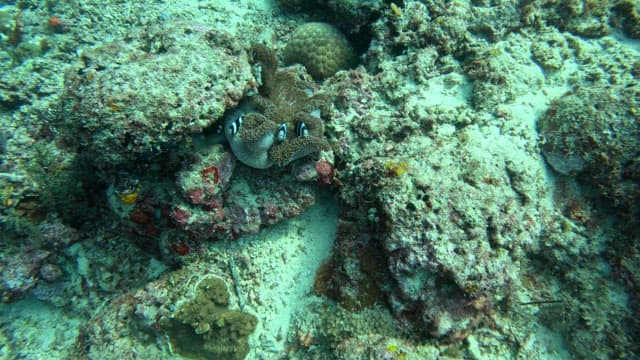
<point>50,272</point>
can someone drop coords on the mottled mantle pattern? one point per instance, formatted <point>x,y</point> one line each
<point>283,99</point>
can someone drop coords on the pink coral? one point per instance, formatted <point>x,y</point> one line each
<point>325,171</point>
<point>181,216</point>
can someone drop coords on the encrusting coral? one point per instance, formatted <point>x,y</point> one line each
<point>203,327</point>
<point>258,130</point>
<point>124,106</point>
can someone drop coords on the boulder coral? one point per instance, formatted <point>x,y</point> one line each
<point>321,48</point>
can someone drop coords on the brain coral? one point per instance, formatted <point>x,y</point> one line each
<point>321,48</point>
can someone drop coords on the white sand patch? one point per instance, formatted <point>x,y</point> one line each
<point>277,269</point>
<point>36,330</point>
<point>445,91</point>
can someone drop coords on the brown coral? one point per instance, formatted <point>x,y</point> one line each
<point>321,48</point>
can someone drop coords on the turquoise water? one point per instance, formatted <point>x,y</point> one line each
<point>262,179</point>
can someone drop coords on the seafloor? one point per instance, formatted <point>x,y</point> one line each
<point>457,180</point>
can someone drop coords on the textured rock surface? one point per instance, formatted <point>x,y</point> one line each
<point>252,201</point>
<point>595,133</point>
<point>456,221</point>
<point>165,308</point>
<point>590,19</point>
<point>127,102</point>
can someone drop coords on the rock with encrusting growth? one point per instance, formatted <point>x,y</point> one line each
<point>593,132</point>
<point>125,105</point>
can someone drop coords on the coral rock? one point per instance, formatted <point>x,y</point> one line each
<point>321,48</point>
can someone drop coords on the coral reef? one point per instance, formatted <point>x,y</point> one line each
<point>324,328</point>
<point>321,48</point>
<point>590,19</point>
<point>204,181</point>
<point>383,347</point>
<point>20,273</point>
<point>424,223</point>
<point>297,5</point>
<point>130,101</point>
<point>438,231</point>
<point>211,207</point>
<point>187,310</point>
<point>627,17</point>
<point>354,16</point>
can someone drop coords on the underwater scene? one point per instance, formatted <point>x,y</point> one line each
<point>320,179</point>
